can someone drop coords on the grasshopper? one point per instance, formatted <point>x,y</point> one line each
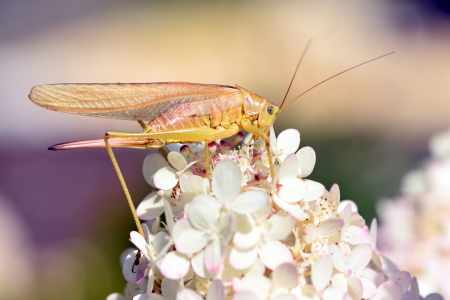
<point>176,112</point>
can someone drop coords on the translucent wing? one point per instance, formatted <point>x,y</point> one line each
<point>129,101</point>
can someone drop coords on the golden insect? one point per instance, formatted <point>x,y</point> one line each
<point>176,112</point>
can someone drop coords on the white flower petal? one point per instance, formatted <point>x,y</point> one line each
<point>389,290</point>
<point>152,163</point>
<point>292,208</point>
<point>226,180</point>
<point>198,265</point>
<point>174,265</point>
<point>306,160</point>
<point>161,241</point>
<point>281,226</point>
<point>369,288</point>
<point>188,294</point>
<point>191,183</point>
<point>334,293</point>
<point>403,278</point>
<point>285,297</point>
<point>257,284</point>
<point>226,227</point>
<point>330,227</point>
<point>177,161</point>
<point>216,291</point>
<point>288,141</point>
<point>187,239</point>
<point>315,190</point>
<point>249,202</point>
<point>248,239</point>
<point>273,140</point>
<point>241,259</point>
<point>338,259</point>
<point>274,253</point>
<point>339,281</point>
<point>373,233</point>
<point>321,272</point>
<point>127,267</point>
<point>245,295</point>
<point>292,189</point>
<point>141,244</point>
<point>289,167</point>
<point>286,276</point>
<point>170,288</point>
<point>355,235</point>
<point>359,258</point>
<point>355,287</point>
<point>165,179</point>
<point>203,212</point>
<point>115,296</point>
<point>214,255</point>
<point>151,207</point>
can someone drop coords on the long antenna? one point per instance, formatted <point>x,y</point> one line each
<point>366,62</point>
<point>296,69</point>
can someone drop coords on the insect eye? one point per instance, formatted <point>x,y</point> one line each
<point>270,110</point>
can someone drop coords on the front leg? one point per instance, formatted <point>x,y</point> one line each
<point>249,127</point>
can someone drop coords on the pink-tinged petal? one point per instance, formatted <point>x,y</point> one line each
<point>286,276</point>
<point>177,161</point>
<point>245,295</point>
<point>187,239</point>
<point>226,180</point>
<point>281,226</point>
<point>346,213</point>
<point>191,183</point>
<point>140,297</point>
<point>288,141</point>
<point>330,227</point>
<point>168,213</point>
<point>321,272</point>
<point>306,160</point>
<point>249,202</point>
<point>334,293</point>
<point>203,212</point>
<point>372,276</point>
<point>151,207</point>
<point>170,288</point>
<point>274,253</point>
<point>289,167</point>
<point>389,290</point>
<point>247,240</point>
<point>161,241</point>
<point>153,297</point>
<point>338,259</point>
<point>359,258</point>
<point>165,179</point>
<point>174,265</point>
<point>291,208</point>
<point>141,269</point>
<point>152,163</point>
<point>355,287</point>
<point>403,278</point>
<point>257,284</point>
<point>373,234</point>
<point>315,190</point>
<point>241,259</point>
<point>369,288</point>
<point>216,291</point>
<point>141,244</point>
<point>198,265</point>
<point>292,189</point>
<point>214,255</point>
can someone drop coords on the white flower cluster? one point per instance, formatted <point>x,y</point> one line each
<point>247,236</point>
<point>421,216</point>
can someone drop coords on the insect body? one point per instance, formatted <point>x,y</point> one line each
<point>176,112</point>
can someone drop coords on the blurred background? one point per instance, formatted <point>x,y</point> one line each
<point>63,217</point>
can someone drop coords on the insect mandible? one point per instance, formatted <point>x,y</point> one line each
<point>177,112</point>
